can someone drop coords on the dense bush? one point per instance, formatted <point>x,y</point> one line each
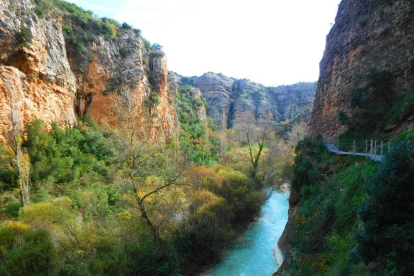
<point>202,150</point>
<point>326,222</point>
<point>65,155</point>
<point>23,38</point>
<point>153,99</point>
<point>388,214</point>
<point>84,216</point>
<point>24,251</point>
<point>126,26</point>
<point>157,54</point>
<point>310,154</point>
<point>223,201</point>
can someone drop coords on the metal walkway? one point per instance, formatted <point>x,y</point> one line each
<point>334,149</point>
<point>371,149</point>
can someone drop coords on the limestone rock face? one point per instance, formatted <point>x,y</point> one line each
<point>367,34</point>
<point>227,98</point>
<point>57,80</point>
<point>36,82</point>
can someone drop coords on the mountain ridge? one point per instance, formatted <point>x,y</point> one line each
<point>227,98</point>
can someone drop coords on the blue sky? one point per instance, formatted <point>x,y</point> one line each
<point>272,42</point>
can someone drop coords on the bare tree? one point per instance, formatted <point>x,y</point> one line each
<point>253,135</point>
<point>21,164</point>
<point>139,159</point>
<point>298,132</point>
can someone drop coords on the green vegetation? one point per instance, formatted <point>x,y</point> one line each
<point>137,32</point>
<point>330,193</point>
<point>112,203</point>
<point>354,216</point>
<point>372,106</point>
<point>198,139</point>
<point>402,109</point>
<point>388,214</point>
<point>345,227</point>
<point>126,26</point>
<point>153,99</point>
<point>157,54</point>
<point>376,109</point>
<point>81,27</point>
<point>23,39</point>
<point>124,52</point>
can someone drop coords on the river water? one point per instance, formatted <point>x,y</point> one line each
<point>253,255</point>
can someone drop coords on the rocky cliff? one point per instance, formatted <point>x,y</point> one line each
<point>227,98</point>
<point>367,35</point>
<point>59,63</point>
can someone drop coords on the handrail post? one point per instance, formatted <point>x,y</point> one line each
<point>371,149</point>
<point>353,149</point>
<point>375,147</point>
<point>366,148</point>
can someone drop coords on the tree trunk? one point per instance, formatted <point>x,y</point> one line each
<point>154,231</point>
<point>21,166</point>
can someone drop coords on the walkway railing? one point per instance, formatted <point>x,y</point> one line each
<point>370,149</point>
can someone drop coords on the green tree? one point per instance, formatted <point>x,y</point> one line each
<point>388,214</point>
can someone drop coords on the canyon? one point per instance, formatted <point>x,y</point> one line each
<point>72,68</point>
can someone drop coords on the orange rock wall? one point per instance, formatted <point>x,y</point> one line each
<point>52,81</point>
<point>366,35</point>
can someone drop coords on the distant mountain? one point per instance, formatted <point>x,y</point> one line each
<point>228,97</point>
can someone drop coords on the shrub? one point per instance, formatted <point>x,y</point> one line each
<point>137,32</point>
<point>157,54</point>
<point>363,21</point>
<point>403,108</point>
<point>39,11</point>
<point>157,47</point>
<point>153,99</point>
<point>25,251</point>
<point>343,118</point>
<point>23,38</point>
<point>48,214</point>
<point>388,213</point>
<point>126,26</point>
<point>372,105</point>
<point>147,45</point>
<point>65,155</point>
<point>124,52</point>
<point>308,164</point>
<point>206,233</point>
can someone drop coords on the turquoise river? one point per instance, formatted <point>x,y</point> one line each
<point>253,255</point>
